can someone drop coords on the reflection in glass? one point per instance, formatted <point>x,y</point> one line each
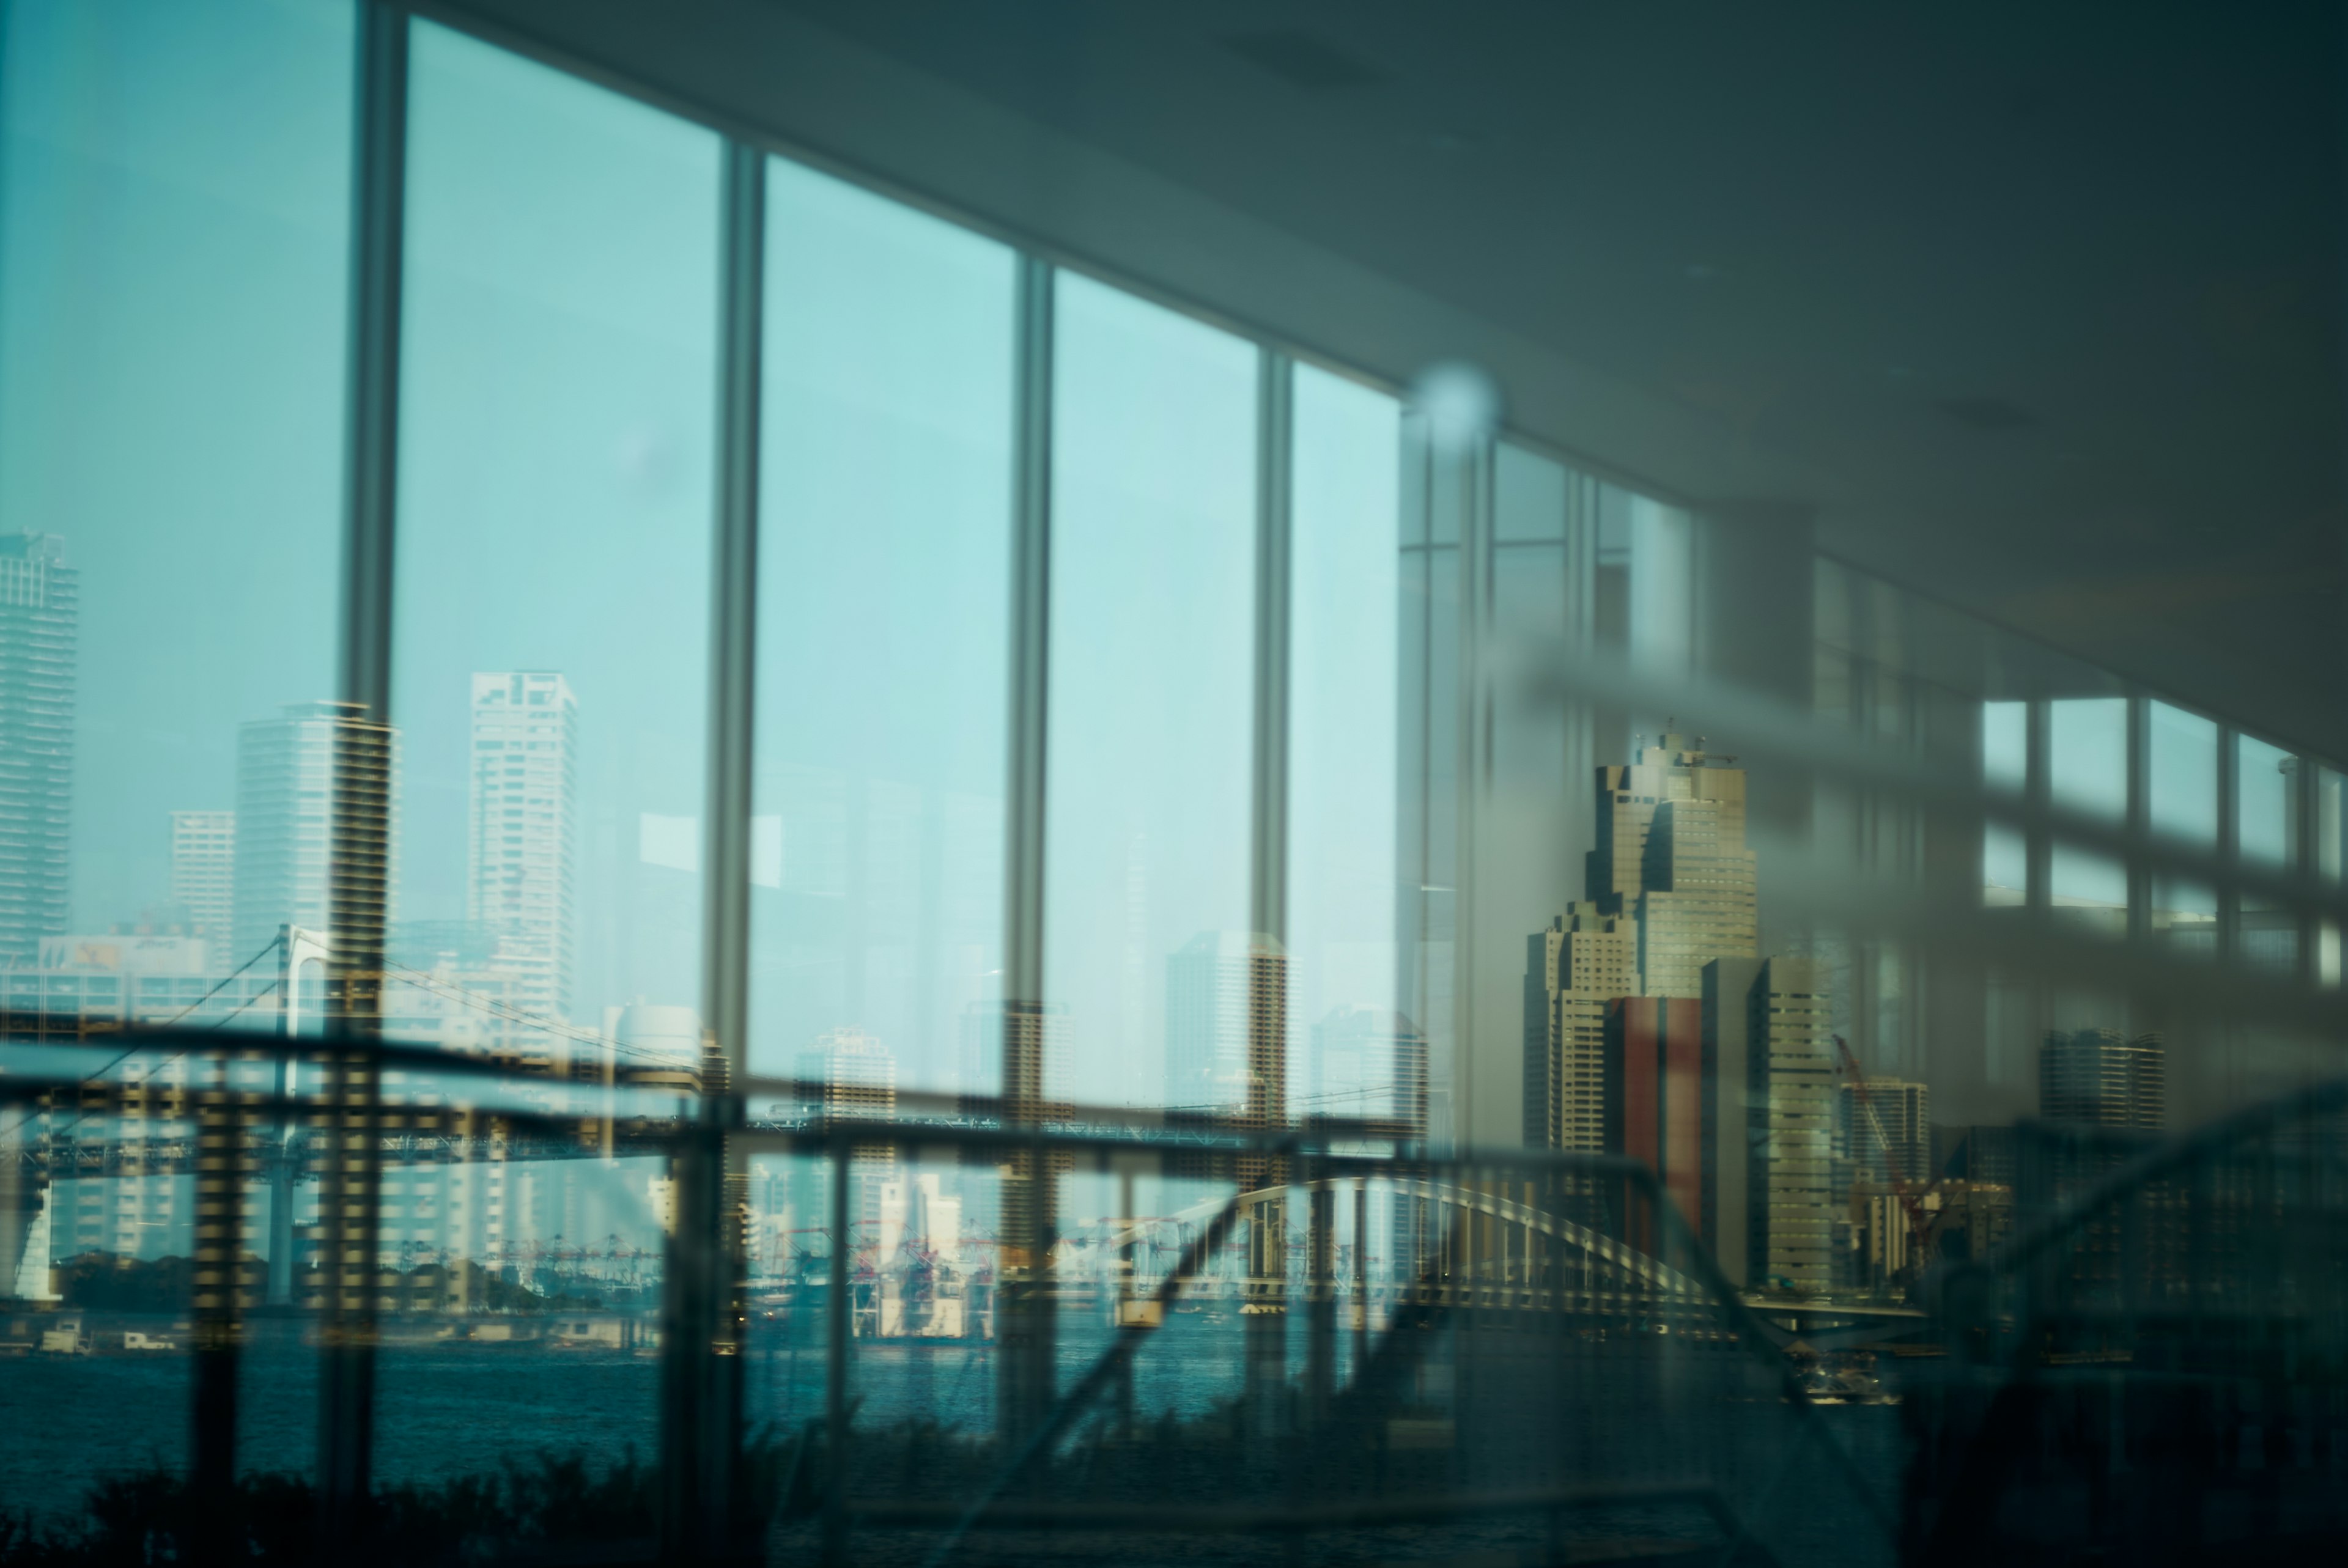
<point>884,609</point>
<point>2267,782</point>
<point>549,679</point>
<point>2086,772</point>
<point>1345,649</point>
<point>2182,807</point>
<point>1152,624</point>
<point>174,226</point>
<point>2005,765</point>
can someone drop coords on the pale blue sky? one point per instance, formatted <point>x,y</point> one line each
<point>173,244</point>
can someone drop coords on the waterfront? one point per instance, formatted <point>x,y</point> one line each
<point>451,1410</point>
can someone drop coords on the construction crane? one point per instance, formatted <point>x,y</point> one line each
<point>1919,1224</point>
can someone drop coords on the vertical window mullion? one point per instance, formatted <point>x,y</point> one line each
<point>1268,878</point>
<point>350,1196</point>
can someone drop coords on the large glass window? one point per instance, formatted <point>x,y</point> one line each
<point>2005,766</point>
<point>1352,1055</point>
<point>549,672</point>
<point>2086,771</point>
<point>2181,806</point>
<point>884,618</point>
<point>1152,627</point>
<point>2267,782</point>
<point>174,227</point>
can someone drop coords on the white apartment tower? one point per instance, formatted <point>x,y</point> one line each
<point>292,772</point>
<point>40,600</point>
<point>522,830</point>
<point>203,875</point>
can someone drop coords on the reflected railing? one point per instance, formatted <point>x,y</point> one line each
<point>1323,1339</point>
<point>1002,1341</point>
<point>2154,1366</point>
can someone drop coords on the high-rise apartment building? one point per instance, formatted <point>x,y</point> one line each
<point>848,1075</point>
<point>1226,1029</point>
<point>2102,1077</point>
<point>523,829</point>
<point>40,610</point>
<point>203,875</point>
<point>314,786</point>
<point>1574,969</point>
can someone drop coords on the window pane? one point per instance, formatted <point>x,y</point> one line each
<point>1152,627</point>
<point>174,229</point>
<point>2005,765</point>
<point>550,671</point>
<point>1356,1060</point>
<point>885,622</point>
<point>2182,806</point>
<point>2267,778</point>
<point>2086,771</point>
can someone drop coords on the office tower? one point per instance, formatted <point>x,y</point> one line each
<point>1699,901</point>
<point>1728,1100</point>
<point>1654,1102</point>
<point>1897,1141</point>
<point>1768,1094</point>
<point>1226,1045</point>
<point>2100,1077</point>
<point>203,875</point>
<point>522,830</point>
<point>1574,968</point>
<point>1791,1074</point>
<point>314,786</point>
<point>1631,795</point>
<point>1671,852</point>
<point>39,610</point>
<point>1369,1067</point>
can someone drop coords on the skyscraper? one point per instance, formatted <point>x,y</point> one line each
<point>318,780</point>
<point>203,875</point>
<point>2101,1077</point>
<point>1897,1141</point>
<point>40,599</point>
<point>1654,1102</point>
<point>1791,1080</point>
<point>523,829</point>
<point>1699,901</point>
<point>1671,851</point>
<point>1574,968</point>
<point>1226,1037</point>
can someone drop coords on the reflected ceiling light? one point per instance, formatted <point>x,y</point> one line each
<point>1460,399</point>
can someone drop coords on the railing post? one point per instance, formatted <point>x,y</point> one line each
<point>217,1306</point>
<point>835,1385</point>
